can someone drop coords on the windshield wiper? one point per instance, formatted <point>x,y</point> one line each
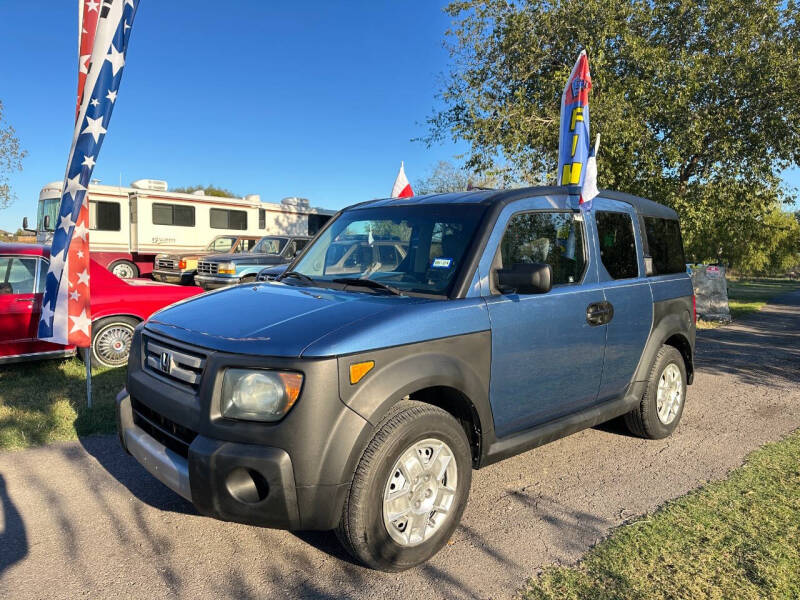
<point>368,283</point>
<point>302,277</point>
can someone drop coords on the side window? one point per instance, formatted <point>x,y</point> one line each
<point>227,219</point>
<point>17,275</point>
<point>104,216</point>
<point>290,250</point>
<point>43,266</point>
<point>617,244</point>
<point>555,238</point>
<point>262,218</point>
<point>666,245</point>
<point>173,214</point>
<point>223,244</point>
<point>300,244</point>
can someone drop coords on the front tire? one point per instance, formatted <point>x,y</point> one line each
<point>661,407</point>
<point>409,489</point>
<point>124,269</point>
<point>111,341</point>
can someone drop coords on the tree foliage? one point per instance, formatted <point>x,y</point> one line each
<point>695,99</point>
<point>209,190</point>
<point>11,156</point>
<point>446,177</point>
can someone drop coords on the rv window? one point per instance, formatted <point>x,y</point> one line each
<point>262,218</point>
<point>228,219</point>
<point>104,216</point>
<point>315,223</point>
<point>173,214</point>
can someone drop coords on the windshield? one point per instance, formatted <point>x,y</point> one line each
<point>410,248</point>
<point>49,207</point>
<point>269,245</point>
<point>221,244</point>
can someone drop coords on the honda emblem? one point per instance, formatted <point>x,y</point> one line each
<point>166,362</point>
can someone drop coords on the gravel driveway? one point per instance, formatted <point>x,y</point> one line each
<point>82,519</point>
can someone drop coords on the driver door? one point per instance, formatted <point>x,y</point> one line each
<point>19,304</point>
<point>547,359</point>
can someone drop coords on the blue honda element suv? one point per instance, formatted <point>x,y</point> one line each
<point>413,340</point>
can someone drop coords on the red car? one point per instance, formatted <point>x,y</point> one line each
<point>117,306</point>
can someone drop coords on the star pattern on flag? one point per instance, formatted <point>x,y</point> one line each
<point>74,186</point>
<point>81,323</point>
<point>116,58</point>
<point>66,302</point>
<point>95,127</point>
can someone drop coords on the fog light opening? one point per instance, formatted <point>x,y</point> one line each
<point>247,485</point>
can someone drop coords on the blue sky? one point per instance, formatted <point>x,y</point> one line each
<point>314,99</point>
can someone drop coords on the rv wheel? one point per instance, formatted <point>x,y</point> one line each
<point>124,269</point>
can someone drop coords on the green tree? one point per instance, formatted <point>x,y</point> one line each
<point>695,99</point>
<point>446,177</point>
<point>10,159</point>
<point>210,190</point>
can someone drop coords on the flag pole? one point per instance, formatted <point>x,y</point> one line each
<point>87,360</point>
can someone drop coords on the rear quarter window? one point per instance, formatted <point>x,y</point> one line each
<point>665,245</point>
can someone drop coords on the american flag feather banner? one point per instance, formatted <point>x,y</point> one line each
<point>66,313</point>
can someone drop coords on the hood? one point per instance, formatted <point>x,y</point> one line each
<point>180,255</point>
<point>246,258</point>
<point>269,319</point>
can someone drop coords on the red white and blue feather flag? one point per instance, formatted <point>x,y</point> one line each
<point>576,158</point>
<point>104,31</point>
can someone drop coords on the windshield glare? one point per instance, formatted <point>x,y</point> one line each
<point>411,248</point>
<point>269,245</point>
<point>47,207</point>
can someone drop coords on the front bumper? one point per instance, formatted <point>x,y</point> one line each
<point>180,277</point>
<point>246,483</point>
<point>212,282</point>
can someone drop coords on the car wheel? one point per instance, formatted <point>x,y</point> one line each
<point>409,489</point>
<point>661,407</point>
<point>111,341</point>
<point>124,269</point>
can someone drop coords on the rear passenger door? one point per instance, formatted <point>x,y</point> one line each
<point>626,289</point>
<point>547,360</point>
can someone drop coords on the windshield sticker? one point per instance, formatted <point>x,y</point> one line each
<point>441,263</point>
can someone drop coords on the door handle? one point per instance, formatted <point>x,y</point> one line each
<point>599,313</point>
<point>25,300</point>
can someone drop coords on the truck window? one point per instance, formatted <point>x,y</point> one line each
<point>173,214</point>
<point>617,244</point>
<point>665,244</point>
<point>104,216</point>
<point>222,244</point>
<point>555,238</point>
<point>228,219</point>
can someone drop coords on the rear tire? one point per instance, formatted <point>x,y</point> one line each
<point>124,269</point>
<point>111,341</point>
<point>409,489</point>
<point>661,407</point>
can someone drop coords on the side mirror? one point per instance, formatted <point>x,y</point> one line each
<point>525,278</point>
<point>47,222</point>
<point>25,223</point>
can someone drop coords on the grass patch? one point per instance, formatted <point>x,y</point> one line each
<point>45,401</point>
<point>749,295</point>
<point>737,538</point>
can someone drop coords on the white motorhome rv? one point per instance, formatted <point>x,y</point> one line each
<point>131,225</point>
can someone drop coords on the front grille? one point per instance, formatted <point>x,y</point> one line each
<point>207,268</point>
<point>175,437</point>
<point>178,364</point>
<point>165,263</point>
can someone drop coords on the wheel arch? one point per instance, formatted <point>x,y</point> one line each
<point>450,373</point>
<point>673,327</point>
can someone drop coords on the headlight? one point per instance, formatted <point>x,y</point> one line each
<point>227,268</point>
<point>258,395</point>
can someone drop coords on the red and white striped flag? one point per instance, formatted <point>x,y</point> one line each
<point>402,188</point>
<point>104,33</point>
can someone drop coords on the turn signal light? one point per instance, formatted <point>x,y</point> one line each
<point>358,370</point>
